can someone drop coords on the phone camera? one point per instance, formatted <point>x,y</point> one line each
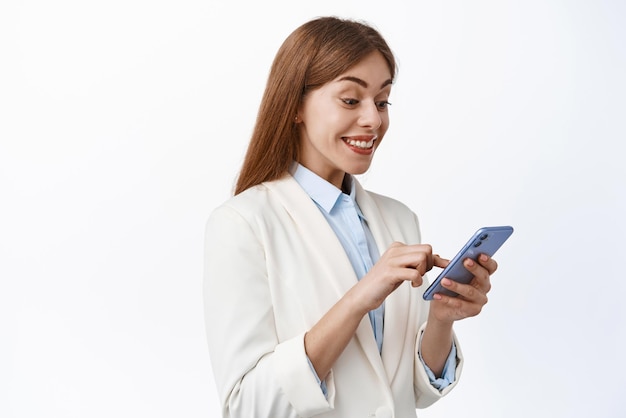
<point>477,243</point>
<point>484,236</point>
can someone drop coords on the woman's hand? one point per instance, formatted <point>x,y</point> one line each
<point>327,339</point>
<point>398,264</point>
<point>444,310</point>
<point>472,297</point>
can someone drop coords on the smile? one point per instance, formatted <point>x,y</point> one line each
<point>359,144</point>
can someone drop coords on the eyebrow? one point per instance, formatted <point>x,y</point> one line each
<point>363,83</point>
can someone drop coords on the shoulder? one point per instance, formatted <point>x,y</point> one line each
<point>238,219</point>
<point>263,201</point>
<point>243,205</point>
<point>254,194</point>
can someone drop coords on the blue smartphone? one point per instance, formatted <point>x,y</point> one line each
<point>486,240</point>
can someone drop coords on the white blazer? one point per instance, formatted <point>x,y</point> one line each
<point>273,268</point>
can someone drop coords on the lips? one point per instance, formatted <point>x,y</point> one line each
<point>362,141</point>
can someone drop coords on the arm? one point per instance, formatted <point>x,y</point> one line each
<point>445,310</point>
<point>436,344</point>
<point>327,339</point>
<point>248,360</point>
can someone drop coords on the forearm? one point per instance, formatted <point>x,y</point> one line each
<point>436,344</point>
<point>327,339</point>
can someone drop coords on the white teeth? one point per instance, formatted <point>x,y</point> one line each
<point>361,144</point>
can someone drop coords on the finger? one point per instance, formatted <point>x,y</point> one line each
<point>428,252</point>
<point>417,280</point>
<point>481,278</point>
<point>423,254</point>
<point>489,263</point>
<point>416,256</point>
<point>468,292</point>
<point>398,275</point>
<point>455,308</point>
<point>439,261</point>
<point>408,275</point>
<point>425,263</point>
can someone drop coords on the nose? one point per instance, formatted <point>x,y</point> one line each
<point>370,116</point>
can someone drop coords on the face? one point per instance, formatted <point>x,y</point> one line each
<point>343,122</point>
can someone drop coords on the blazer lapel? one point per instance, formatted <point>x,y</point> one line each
<point>397,303</point>
<point>315,227</point>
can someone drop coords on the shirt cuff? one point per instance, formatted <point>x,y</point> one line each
<point>319,381</point>
<point>449,371</point>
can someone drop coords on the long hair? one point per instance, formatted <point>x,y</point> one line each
<point>314,54</point>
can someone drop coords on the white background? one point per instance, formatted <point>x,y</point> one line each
<point>123,123</point>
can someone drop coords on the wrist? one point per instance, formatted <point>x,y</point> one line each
<point>436,344</point>
<point>438,325</point>
<point>354,302</point>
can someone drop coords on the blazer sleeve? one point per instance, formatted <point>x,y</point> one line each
<point>425,393</point>
<point>255,373</point>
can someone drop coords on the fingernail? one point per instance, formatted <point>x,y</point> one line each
<point>483,257</point>
<point>446,282</point>
<point>469,262</point>
<point>437,296</point>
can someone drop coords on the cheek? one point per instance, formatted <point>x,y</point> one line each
<point>384,124</point>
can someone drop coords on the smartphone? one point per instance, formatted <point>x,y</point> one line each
<point>486,240</point>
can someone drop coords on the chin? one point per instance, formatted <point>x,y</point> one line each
<point>358,169</point>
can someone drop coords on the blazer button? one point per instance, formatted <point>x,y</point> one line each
<point>383,412</point>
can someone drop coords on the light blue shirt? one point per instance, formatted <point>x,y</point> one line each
<point>350,225</point>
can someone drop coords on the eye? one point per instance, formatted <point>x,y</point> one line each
<point>350,102</point>
<point>382,105</point>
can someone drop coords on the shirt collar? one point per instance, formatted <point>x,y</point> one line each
<point>321,191</point>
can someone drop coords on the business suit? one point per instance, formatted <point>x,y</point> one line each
<point>273,268</point>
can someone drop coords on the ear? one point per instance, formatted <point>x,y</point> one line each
<point>299,112</point>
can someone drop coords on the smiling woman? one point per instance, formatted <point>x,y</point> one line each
<point>306,306</point>
<point>342,122</point>
<point>314,54</point>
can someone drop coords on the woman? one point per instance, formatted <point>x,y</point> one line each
<point>307,309</point>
